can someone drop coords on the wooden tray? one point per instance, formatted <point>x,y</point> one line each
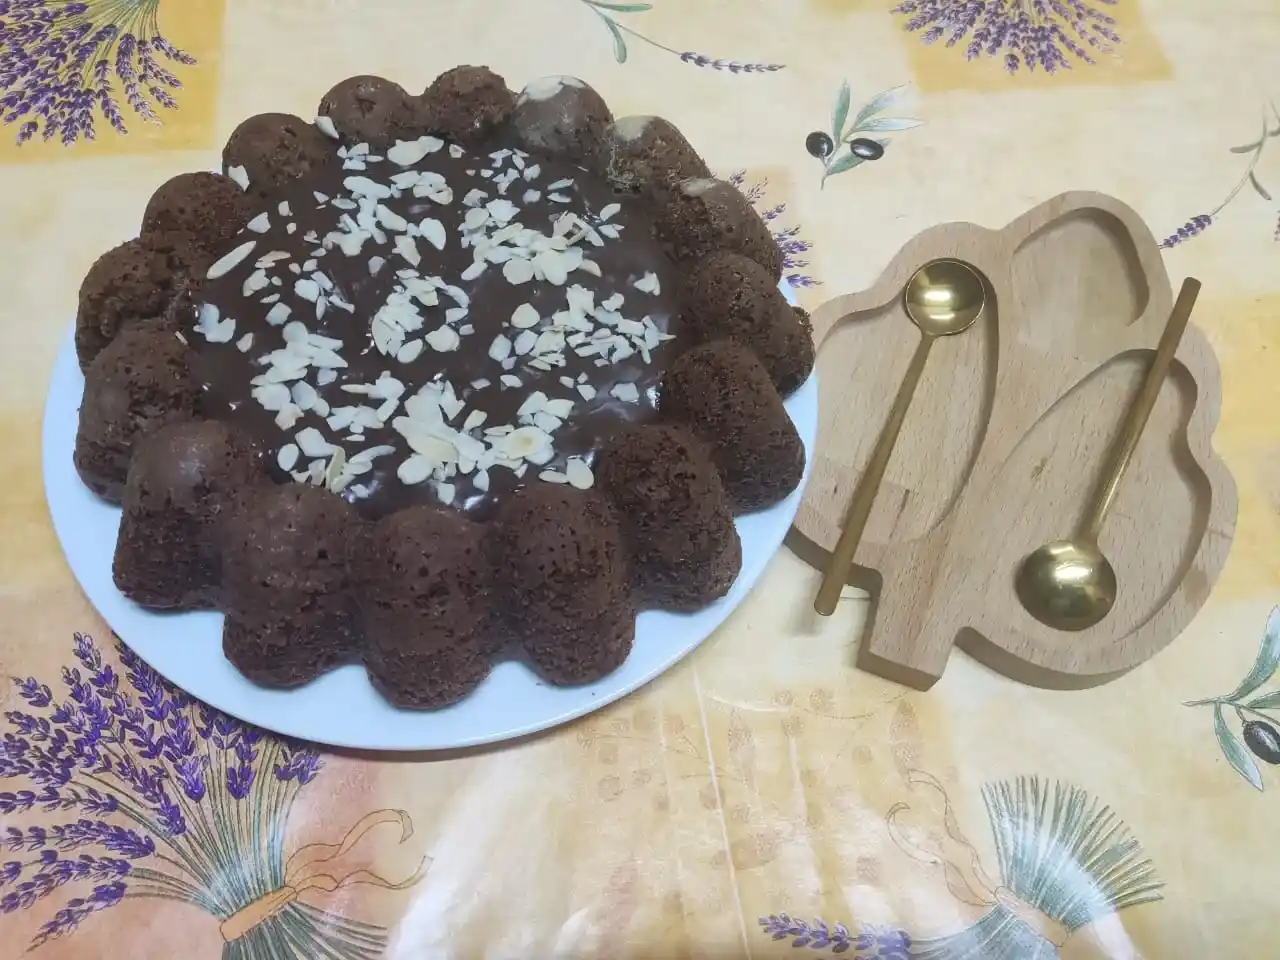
<point>1003,444</point>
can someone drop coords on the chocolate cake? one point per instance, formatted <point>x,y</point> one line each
<point>183,480</point>
<point>436,377</point>
<point>677,519</point>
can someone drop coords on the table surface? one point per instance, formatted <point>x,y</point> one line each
<point>764,795</point>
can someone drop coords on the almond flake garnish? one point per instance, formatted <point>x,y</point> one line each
<point>648,284</point>
<point>443,340</point>
<point>441,438</point>
<point>408,249</point>
<point>433,232</point>
<point>525,316</point>
<point>579,474</point>
<point>231,260</point>
<point>287,457</point>
<point>289,415</point>
<point>500,349</point>
<point>524,342</point>
<point>414,470</point>
<point>278,314</point>
<point>626,392</point>
<point>364,187</point>
<point>517,271</point>
<point>407,153</point>
<point>325,126</point>
<point>410,351</point>
<point>213,328</point>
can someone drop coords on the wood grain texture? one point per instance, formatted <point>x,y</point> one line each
<point>1005,441</point>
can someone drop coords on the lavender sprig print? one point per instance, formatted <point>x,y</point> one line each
<point>1027,33</point>
<point>174,800</point>
<point>77,909</point>
<point>82,833</point>
<point>64,62</point>
<point>1192,228</point>
<point>607,10</point>
<point>788,238</point>
<point>1198,224</point>
<point>869,943</point>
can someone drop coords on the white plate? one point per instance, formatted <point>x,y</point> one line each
<point>342,708</point>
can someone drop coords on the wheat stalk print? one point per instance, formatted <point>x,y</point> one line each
<point>173,800</point>
<point>63,62</point>
<point>1064,860</point>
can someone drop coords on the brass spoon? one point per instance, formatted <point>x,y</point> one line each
<point>1070,584</point>
<point>942,298</point>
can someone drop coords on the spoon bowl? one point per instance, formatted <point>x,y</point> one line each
<point>944,297</point>
<point>1067,584</point>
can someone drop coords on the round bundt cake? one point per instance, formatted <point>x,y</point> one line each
<point>434,377</point>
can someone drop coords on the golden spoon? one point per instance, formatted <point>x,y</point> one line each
<point>1070,584</point>
<point>942,298</point>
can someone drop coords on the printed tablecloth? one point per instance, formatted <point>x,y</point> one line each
<point>763,798</point>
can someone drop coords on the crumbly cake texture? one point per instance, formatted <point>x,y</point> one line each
<point>436,379</point>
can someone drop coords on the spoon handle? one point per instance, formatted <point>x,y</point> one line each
<point>1140,411</point>
<point>833,578</point>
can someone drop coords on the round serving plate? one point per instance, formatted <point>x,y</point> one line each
<point>342,708</point>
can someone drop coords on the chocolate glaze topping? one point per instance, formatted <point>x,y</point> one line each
<point>297,237</point>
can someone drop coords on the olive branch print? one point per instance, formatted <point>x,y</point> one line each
<point>1256,713</point>
<point>848,146</point>
<point>61,62</point>
<point>1029,33</point>
<point>172,800</point>
<point>1203,221</point>
<point>608,10</point>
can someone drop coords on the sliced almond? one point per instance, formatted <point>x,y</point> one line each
<point>517,271</point>
<point>525,316</point>
<point>325,126</point>
<point>433,232</point>
<point>414,470</point>
<point>287,456</point>
<point>579,474</point>
<point>230,261</point>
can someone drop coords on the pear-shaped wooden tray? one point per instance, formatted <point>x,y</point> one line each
<point>1004,442</point>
